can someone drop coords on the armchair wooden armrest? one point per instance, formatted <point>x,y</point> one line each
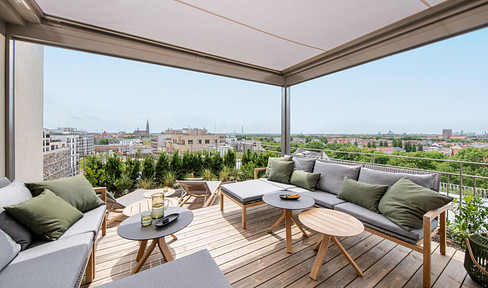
<point>429,216</point>
<point>256,170</point>
<point>103,193</point>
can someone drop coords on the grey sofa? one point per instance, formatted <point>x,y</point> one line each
<point>249,193</point>
<point>197,270</point>
<point>61,263</point>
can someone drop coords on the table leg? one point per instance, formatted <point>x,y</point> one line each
<point>299,227</point>
<point>142,248</point>
<point>288,220</point>
<point>316,247</point>
<point>174,237</point>
<point>277,222</point>
<point>317,264</point>
<point>144,257</point>
<point>348,257</point>
<point>163,247</point>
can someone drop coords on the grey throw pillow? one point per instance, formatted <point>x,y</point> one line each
<point>13,194</point>
<point>332,175</point>
<point>8,249</point>
<point>371,176</point>
<point>18,232</point>
<point>304,164</point>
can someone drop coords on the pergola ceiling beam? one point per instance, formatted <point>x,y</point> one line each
<point>443,21</point>
<point>95,41</point>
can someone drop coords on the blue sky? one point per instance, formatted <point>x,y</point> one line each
<point>443,85</point>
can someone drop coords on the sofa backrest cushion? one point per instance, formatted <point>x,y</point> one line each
<point>8,249</point>
<point>304,164</point>
<point>16,230</point>
<point>332,175</point>
<point>4,182</point>
<point>371,176</point>
<point>14,193</point>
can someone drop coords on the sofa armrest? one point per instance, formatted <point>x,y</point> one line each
<point>103,193</point>
<point>256,170</point>
<point>429,216</point>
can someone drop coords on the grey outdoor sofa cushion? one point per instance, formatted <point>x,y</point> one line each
<point>249,191</point>
<point>371,176</point>
<point>59,263</point>
<point>381,223</point>
<point>332,175</point>
<point>197,270</point>
<point>304,164</point>
<point>322,198</point>
<point>90,222</point>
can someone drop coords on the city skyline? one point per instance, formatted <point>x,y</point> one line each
<point>420,91</point>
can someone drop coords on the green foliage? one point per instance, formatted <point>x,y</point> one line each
<point>175,165</point>
<point>315,145</point>
<point>148,169</point>
<point>94,171</point>
<point>217,163</point>
<point>169,179</point>
<point>162,166</point>
<point>132,170</point>
<point>230,159</point>
<point>470,218</point>
<point>208,176</point>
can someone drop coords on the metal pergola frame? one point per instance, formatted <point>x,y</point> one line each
<point>445,20</point>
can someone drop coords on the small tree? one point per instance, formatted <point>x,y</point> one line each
<point>148,168</point>
<point>162,166</point>
<point>230,159</point>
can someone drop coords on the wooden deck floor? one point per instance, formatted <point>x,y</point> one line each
<point>252,257</point>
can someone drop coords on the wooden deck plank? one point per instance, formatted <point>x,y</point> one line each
<point>253,257</point>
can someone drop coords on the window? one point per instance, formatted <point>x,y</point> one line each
<point>175,141</point>
<point>199,141</point>
<point>190,142</point>
<point>182,142</point>
<point>214,141</point>
<point>207,141</point>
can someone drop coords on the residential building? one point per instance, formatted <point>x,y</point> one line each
<point>186,140</point>
<point>446,133</point>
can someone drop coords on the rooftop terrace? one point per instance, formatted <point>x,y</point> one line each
<point>253,257</point>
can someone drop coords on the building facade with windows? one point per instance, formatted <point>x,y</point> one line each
<point>186,140</point>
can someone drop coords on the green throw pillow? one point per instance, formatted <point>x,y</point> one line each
<point>47,215</point>
<point>304,179</point>
<point>271,160</point>
<point>405,203</point>
<point>77,191</point>
<point>362,194</point>
<point>281,171</point>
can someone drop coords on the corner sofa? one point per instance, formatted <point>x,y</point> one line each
<point>60,263</point>
<point>249,193</point>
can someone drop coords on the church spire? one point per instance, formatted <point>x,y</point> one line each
<point>147,126</point>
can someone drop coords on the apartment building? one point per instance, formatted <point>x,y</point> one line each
<point>186,140</point>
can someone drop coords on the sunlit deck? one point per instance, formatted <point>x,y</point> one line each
<point>252,257</point>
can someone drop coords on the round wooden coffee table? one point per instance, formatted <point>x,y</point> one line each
<point>287,206</point>
<point>149,193</point>
<point>331,224</point>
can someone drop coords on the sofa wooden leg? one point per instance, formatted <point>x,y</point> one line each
<point>426,252</point>
<point>442,233</point>
<point>221,201</point>
<point>244,217</point>
<point>90,267</point>
<point>104,225</point>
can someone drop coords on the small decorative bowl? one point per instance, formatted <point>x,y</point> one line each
<point>290,197</point>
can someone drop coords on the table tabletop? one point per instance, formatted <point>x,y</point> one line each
<point>331,222</point>
<point>132,229</point>
<point>149,193</point>
<point>273,199</point>
<point>143,205</point>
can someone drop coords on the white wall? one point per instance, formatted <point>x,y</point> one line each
<point>29,61</point>
<point>2,99</point>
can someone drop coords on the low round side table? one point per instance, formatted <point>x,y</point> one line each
<point>287,206</point>
<point>331,224</point>
<point>132,229</point>
<point>149,193</point>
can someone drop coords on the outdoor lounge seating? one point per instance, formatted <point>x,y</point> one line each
<point>195,270</point>
<point>207,190</point>
<point>59,263</point>
<point>249,193</point>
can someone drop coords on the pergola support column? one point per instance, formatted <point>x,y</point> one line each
<point>285,120</point>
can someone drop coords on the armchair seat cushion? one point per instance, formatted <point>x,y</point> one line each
<point>250,191</point>
<point>91,222</point>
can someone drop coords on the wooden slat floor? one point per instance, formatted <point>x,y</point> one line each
<point>252,257</point>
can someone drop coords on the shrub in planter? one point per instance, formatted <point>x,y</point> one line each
<point>175,165</point>
<point>148,168</point>
<point>162,166</point>
<point>470,217</point>
<point>230,159</point>
<point>169,179</point>
<point>132,170</point>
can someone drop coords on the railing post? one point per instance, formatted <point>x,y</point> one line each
<point>460,183</point>
<point>372,159</point>
<point>474,186</point>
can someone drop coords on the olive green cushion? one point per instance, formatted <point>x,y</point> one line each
<point>281,171</point>
<point>304,179</point>
<point>405,203</point>
<point>47,215</point>
<point>271,160</point>
<point>77,191</point>
<point>362,194</point>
